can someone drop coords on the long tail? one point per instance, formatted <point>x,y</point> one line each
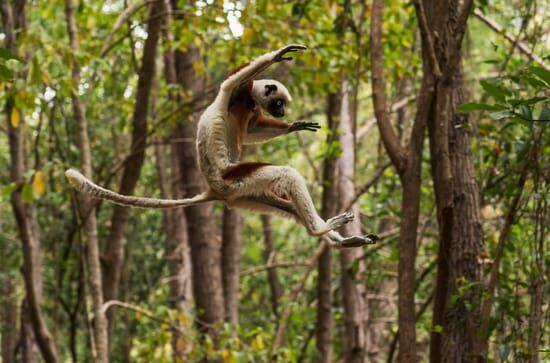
<point>86,186</point>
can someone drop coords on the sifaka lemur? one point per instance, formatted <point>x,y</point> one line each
<point>234,119</point>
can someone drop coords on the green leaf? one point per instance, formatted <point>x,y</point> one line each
<point>532,101</point>
<point>5,73</point>
<point>499,115</point>
<point>7,54</point>
<point>544,114</point>
<point>499,93</point>
<point>472,106</point>
<point>526,112</point>
<point>535,82</point>
<point>27,193</point>
<point>6,190</point>
<point>541,73</point>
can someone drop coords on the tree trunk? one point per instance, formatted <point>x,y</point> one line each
<point>204,241</point>
<point>354,293</point>
<point>269,258</point>
<point>13,21</point>
<point>177,238</point>
<point>9,320</point>
<point>232,227</point>
<point>177,255</point>
<point>457,195</point>
<point>329,208</point>
<point>114,253</point>
<point>407,161</point>
<point>87,209</point>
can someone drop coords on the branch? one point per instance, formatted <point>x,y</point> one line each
<point>147,313</point>
<point>427,36</point>
<point>400,104</point>
<point>362,190</point>
<point>387,133</point>
<point>270,266</point>
<point>487,302</point>
<point>520,45</point>
<point>122,18</point>
<point>459,31</point>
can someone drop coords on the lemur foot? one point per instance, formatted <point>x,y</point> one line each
<point>358,241</point>
<point>339,220</point>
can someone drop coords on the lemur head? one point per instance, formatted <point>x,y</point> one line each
<point>271,95</point>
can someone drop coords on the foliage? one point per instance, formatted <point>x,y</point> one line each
<point>512,95</point>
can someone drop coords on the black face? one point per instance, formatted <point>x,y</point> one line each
<point>276,107</point>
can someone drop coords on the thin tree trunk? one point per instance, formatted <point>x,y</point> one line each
<point>457,194</point>
<point>489,293</point>
<point>87,209</point>
<point>407,161</point>
<point>536,324</point>
<point>29,348</point>
<point>13,21</point>
<point>114,253</point>
<point>9,319</point>
<point>354,293</point>
<point>275,285</point>
<point>204,241</point>
<point>329,208</point>
<point>232,227</point>
<point>177,238</point>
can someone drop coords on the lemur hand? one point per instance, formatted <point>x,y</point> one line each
<point>309,126</point>
<point>279,57</point>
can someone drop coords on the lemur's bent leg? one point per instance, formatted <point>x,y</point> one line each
<point>287,183</point>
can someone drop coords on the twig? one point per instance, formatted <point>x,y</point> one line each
<point>369,123</point>
<point>372,181</point>
<point>427,35</point>
<point>270,266</point>
<point>147,313</point>
<point>520,45</point>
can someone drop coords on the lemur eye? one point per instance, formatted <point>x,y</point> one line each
<point>279,103</point>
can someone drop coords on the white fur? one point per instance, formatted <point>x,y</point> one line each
<point>273,189</point>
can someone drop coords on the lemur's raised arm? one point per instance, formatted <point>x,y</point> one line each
<point>235,117</point>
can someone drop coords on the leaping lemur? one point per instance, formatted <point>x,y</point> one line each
<point>235,118</point>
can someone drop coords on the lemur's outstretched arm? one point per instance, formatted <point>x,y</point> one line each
<point>261,128</point>
<point>249,71</point>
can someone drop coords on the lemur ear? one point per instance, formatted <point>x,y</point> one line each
<point>269,88</point>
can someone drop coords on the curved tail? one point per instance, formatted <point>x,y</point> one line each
<point>86,186</point>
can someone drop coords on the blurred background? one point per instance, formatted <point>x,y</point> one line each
<point>434,133</point>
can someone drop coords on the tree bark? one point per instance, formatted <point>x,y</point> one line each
<point>457,194</point>
<point>204,241</point>
<point>87,208</point>
<point>114,253</point>
<point>275,285</point>
<point>232,228</point>
<point>177,238</point>
<point>329,208</point>
<point>354,291</point>
<point>13,21</point>
<point>9,319</point>
<point>407,161</point>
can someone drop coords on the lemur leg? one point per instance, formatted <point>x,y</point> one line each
<point>272,204</point>
<point>287,183</point>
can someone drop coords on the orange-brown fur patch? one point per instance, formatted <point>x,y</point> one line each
<point>242,109</point>
<point>242,170</point>
<point>261,120</point>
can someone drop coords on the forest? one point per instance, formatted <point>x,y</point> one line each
<point>433,132</point>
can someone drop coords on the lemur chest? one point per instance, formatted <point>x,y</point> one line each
<point>238,126</point>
